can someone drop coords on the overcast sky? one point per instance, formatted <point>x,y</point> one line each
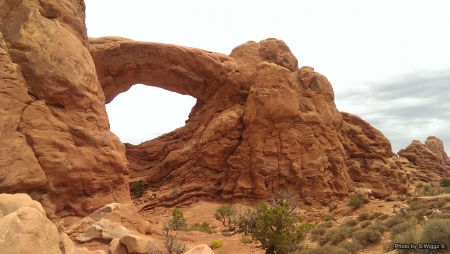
<point>388,61</point>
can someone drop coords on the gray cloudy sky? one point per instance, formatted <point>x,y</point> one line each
<point>388,61</point>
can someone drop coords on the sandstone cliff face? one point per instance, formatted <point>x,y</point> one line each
<point>55,142</point>
<point>429,160</point>
<point>371,162</point>
<point>260,124</point>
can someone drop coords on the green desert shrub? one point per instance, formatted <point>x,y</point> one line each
<point>351,222</point>
<point>436,231</point>
<point>178,222</point>
<point>406,237</point>
<point>365,223</point>
<point>417,205</point>
<point>245,239</point>
<point>204,227</point>
<point>328,217</point>
<point>276,228</point>
<point>375,215</point>
<point>439,203</point>
<point>418,214</point>
<point>138,188</point>
<point>355,201</point>
<point>215,244</point>
<point>394,220</point>
<point>316,233</point>
<point>363,216</point>
<point>444,182</point>
<point>327,249</point>
<point>383,217</point>
<point>225,214</point>
<point>352,247</point>
<point>377,226</point>
<point>402,227</point>
<point>335,235</point>
<point>367,236</point>
<point>326,224</point>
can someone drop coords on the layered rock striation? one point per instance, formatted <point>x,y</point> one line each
<point>260,124</point>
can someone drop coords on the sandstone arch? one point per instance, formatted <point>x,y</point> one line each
<point>260,124</point>
<point>121,63</point>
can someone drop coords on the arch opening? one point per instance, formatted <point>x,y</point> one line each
<point>144,112</point>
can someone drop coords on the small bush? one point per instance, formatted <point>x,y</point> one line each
<point>275,227</point>
<point>375,215</point>
<point>394,220</point>
<point>352,247</point>
<point>328,217</point>
<point>351,222</point>
<point>224,214</point>
<point>245,239</point>
<point>328,249</point>
<point>306,227</point>
<point>438,204</point>
<point>444,182</point>
<point>171,241</point>
<point>419,185</point>
<point>363,216</point>
<point>174,192</point>
<point>367,236</point>
<point>326,224</point>
<point>377,226</point>
<point>138,188</point>
<point>409,236</point>
<point>366,223</point>
<point>355,201</point>
<point>402,227</point>
<point>204,227</point>
<point>417,205</point>
<point>418,214</point>
<point>215,244</point>
<point>335,236</point>
<point>436,231</point>
<point>178,222</point>
<point>317,233</point>
<point>383,217</point>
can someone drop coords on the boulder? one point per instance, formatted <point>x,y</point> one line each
<point>136,244</point>
<point>27,230</point>
<point>24,228</point>
<point>200,249</point>
<point>111,221</point>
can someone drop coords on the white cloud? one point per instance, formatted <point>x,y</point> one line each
<point>406,107</point>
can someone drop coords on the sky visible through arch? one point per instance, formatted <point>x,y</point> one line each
<point>388,61</point>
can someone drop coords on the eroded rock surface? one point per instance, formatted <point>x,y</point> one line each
<point>260,124</point>
<point>370,160</point>
<point>25,228</point>
<point>429,160</point>
<point>55,141</point>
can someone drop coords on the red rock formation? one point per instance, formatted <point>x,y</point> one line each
<point>371,162</point>
<point>429,159</point>
<point>260,124</point>
<point>55,141</point>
